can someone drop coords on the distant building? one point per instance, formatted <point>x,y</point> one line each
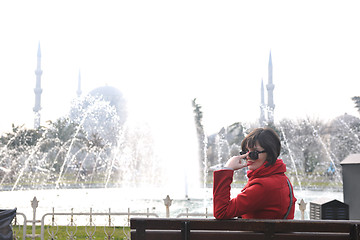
<point>114,96</point>
<point>107,93</point>
<point>79,92</point>
<point>38,90</point>
<point>267,110</point>
<point>262,119</point>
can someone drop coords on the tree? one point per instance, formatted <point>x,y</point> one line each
<point>97,116</point>
<point>21,138</point>
<point>344,137</point>
<point>62,137</point>
<point>198,115</point>
<point>356,100</point>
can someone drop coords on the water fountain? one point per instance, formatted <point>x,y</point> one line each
<point>134,163</point>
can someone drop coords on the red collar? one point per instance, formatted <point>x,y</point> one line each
<point>278,167</point>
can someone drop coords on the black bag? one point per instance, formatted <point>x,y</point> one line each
<point>6,217</point>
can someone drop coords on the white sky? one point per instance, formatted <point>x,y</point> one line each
<point>162,54</point>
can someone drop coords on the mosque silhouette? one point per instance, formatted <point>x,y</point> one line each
<point>107,93</point>
<point>116,99</point>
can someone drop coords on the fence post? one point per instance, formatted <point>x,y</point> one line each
<point>34,205</point>
<point>128,221</point>
<point>302,207</point>
<point>167,202</point>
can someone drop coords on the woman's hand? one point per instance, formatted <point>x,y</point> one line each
<point>237,162</point>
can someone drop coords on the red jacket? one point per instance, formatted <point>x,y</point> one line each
<point>265,196</point>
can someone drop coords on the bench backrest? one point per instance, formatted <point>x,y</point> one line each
<point>208,229</point>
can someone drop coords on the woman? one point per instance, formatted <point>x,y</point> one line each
<point>268,193</point>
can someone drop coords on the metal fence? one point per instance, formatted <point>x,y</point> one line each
<point>49,221</point>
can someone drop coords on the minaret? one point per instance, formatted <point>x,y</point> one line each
<point>78,92</point>
<point>38,90</point>
<point>262,119</point>
<point>270,88</point>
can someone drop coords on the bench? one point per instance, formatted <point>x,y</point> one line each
<point>211,229</point>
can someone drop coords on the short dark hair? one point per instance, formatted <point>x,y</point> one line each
<point>268,139</point>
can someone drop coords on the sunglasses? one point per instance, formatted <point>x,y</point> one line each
<point>252,155</point>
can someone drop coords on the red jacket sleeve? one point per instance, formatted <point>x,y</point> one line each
<point>248,200</point>
<point>221,194</point>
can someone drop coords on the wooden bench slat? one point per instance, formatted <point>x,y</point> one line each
<point>253,225</point>
<point>310,236</point>
<point>200,235</point>
<point>159,235</point>
<point>232,235</point>
<point>159,228</point>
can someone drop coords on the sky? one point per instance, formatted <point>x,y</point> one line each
<point>163,54</point>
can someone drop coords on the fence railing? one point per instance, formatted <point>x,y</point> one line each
<point>49,223</point>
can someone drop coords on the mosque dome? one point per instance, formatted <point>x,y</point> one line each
<point>112,95</point>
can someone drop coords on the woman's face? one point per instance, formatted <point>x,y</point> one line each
<point>255,164</point>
